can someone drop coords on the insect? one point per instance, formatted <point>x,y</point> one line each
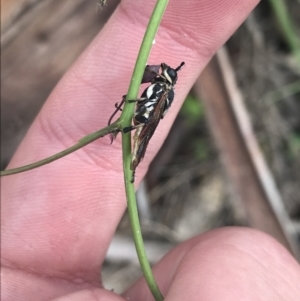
<point>150,108</point>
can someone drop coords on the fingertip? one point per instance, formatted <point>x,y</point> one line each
<point>226,264</point>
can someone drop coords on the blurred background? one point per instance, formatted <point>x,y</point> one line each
<point>233,154</point>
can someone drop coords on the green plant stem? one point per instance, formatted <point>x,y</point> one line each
<point>287,26</point>
<point>82,142</point>
<point>124,120</point>
<point>126,144</point>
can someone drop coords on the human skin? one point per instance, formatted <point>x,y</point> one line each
<point>58,220</point>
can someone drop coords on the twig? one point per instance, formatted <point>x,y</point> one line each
<point>81,143</point>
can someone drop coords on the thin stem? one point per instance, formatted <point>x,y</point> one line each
<point>126,144</point>
<point>123,121</point>
<point>82,142</point>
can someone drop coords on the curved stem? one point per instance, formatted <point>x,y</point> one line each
<point>124,120</point>
<point>82,142</point>
<point>126,144</point>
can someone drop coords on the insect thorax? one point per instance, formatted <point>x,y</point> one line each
<point>150,98</point>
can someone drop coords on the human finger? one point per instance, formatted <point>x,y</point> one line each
<point>225,264</point>
<point>68,211</point>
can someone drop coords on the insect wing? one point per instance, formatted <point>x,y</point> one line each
<point>151,71</point>
<point>149,129</point>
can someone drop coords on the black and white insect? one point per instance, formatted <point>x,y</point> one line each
<point>151,107</point>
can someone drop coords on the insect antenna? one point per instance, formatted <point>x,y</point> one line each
<point>179,67</point>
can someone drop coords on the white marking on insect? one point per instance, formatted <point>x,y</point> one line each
<point>151,103</point>
<point>150,91</point>
<point>167,76</point>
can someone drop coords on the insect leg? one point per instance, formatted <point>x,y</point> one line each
<point>118,108</point>
<point>140,121</point>
<point>137,100</point>
<point>133,127</point>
